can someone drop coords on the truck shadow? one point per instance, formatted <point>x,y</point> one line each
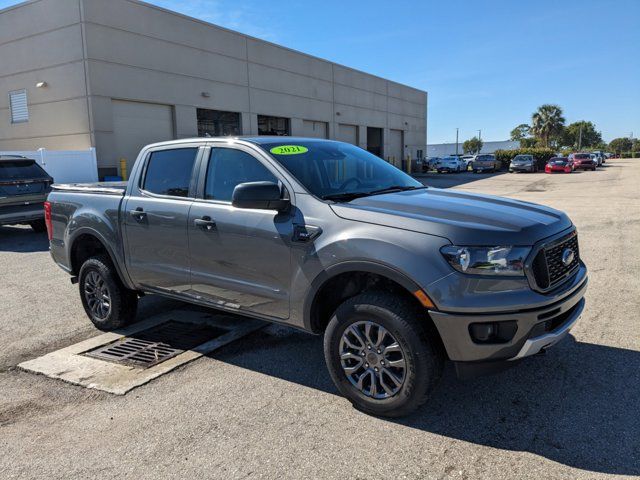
<point>578,405</point>
<point>22,240</point>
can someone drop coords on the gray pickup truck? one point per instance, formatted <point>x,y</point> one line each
<point>328,238</point>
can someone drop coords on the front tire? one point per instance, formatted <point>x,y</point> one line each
<point>380,355</point>
<point>107,302</point>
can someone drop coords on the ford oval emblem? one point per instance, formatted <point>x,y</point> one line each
<point>567,257</point>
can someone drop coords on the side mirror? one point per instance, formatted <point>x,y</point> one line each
<point>259,195</point>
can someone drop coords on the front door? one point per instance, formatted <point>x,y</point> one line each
<point>155,219</point>
<point>240,258</point>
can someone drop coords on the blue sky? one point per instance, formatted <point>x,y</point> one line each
<point>486,64</point>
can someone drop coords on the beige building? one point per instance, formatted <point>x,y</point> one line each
<point>119,74</point>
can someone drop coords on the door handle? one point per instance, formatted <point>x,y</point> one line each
<point>205,223</point>
<point>138,214</point>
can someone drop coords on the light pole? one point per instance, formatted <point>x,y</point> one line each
<point>457,142</point>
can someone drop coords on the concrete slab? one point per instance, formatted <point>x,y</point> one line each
<point>69,364</point>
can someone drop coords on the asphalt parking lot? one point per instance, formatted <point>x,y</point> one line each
<point>265,407</point>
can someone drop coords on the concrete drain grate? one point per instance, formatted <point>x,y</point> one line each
<point>150,347</point>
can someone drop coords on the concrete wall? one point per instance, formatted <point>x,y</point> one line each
<point>42,41</point>
<point>138,52</point>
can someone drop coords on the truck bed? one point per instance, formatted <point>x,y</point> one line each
<point>106,188</point>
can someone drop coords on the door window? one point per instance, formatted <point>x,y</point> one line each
<point>228,168</point>
<point>169,172</point>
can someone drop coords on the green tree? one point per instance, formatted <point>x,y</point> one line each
<point>473,145</point>
<point>619,145</point>
<point>528,142</point>
<point>581,134</point>
<point>520,132</point>
<point>547,124</point>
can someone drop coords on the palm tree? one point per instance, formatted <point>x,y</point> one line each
<point>547,122</point>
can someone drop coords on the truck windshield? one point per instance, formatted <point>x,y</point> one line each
<point>339,171</point>
<point>21,170</point>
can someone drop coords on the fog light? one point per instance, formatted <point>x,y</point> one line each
<point>493,332</point>
<point>482,332</point>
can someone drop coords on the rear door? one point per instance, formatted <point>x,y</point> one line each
<point>241,258</point>
<point>155,219</point>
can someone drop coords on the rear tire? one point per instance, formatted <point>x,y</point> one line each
<point>107,302</point>
<point>404,336</point>
<point>38,226</point>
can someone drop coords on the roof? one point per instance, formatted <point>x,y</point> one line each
<point>14,157</point>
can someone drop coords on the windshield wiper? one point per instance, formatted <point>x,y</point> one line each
<point>395,188</point>
<point>348,196</point>
<point>345,197</point>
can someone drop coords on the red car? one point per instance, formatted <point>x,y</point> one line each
<point>582,161</point>
<point>558,164</point>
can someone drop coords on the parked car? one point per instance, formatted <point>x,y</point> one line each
<point>430,164</point>
<point>450,164</point>
<point>466,159</point>
<point>602,158</point>
<point>558,164</point>
<point>524,163</point>
<point>24,186</point>
<point>483,163</point>
<point>398,277</point>
<point>583,161</point>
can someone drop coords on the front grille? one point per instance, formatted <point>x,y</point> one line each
<point>548,268</point>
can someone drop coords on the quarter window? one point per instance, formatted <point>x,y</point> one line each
<point>169,172</point>
<point>228,168</point>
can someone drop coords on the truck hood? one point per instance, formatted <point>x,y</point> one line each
<point>463,218</point>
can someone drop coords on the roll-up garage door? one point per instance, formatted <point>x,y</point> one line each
<point>314,129</point>
<point>395,147</point>
<point>347,133</point>
<point>136,124</point>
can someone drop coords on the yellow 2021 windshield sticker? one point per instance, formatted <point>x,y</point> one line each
<point>289,150</point>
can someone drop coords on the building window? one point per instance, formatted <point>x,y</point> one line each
<point>214,123</point>
<point>273,125</point>
<point>420,154</point>
<point>18,104</point>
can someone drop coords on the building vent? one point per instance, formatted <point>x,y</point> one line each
<point>18,103</point>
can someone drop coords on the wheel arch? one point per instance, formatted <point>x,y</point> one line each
<point>319,307</point>
<point>87,243</point>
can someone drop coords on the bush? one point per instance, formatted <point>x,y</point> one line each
<point>543,155</point>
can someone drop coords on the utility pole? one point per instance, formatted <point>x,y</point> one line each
<point>457,141</point>
<point>479,134</point>
<point>580,138</point>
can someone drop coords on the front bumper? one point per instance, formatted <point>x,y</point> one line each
<point>537,329</point>
<point>521,168</point>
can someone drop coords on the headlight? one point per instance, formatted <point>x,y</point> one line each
<point>487,260</point>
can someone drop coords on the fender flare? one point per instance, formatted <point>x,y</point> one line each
<point>124,277</point>
<point>352,266</point>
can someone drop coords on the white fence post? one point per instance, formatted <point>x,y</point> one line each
<point>42,154</point>
<point>94,160</point>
